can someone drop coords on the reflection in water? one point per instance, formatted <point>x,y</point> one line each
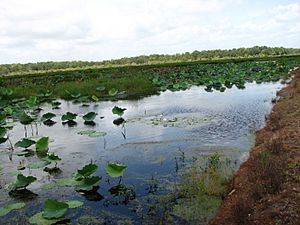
<point>22,195</point>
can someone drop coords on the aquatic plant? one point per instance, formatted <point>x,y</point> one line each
<point>42,145</point>
<point>69,116</point>
<point>90,116</point>
<point>25,143</point>
<point>8,208</point>
<point>113,92</point>
<point>118,111</point>
<point>115,169</point>
<point>23,181</point>
<point>86,182</point>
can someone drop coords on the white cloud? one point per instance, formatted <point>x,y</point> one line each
<point>44,30</point>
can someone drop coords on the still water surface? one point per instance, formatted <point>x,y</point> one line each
<point>159,132</point>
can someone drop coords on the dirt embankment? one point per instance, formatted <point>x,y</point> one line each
<point>266,188</point>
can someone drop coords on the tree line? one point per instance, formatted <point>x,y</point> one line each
<point>256,51</point>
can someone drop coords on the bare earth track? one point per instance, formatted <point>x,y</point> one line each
<point>266,188</point>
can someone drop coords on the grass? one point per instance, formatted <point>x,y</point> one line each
<point>133,86</point>
<point>200,191</point>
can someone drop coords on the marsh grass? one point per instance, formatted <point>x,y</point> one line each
<point>200,191</point>
<point>133,86</point>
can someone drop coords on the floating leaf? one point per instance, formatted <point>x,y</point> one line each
<point>86,171</point>
<point>75,94</point>
<point>95,98</point>
<point>52,158</point>
<point>89,116</point>
<point>74,204</point>
<point>119,111</point>
<point>23,181</point>
<point>42,145</point>
<point>92,133</point>
<point>24,118</point>
<point>56,104</point>
<point>32,102</point>
<point>88,183</point>
<point>69,116</point>
<point>100,88</point>
<point>113,92</point>
<point>54,209</point>
<point>21,167</point>
<point>25,143</point>
<point>48,116</point>
<point>115,169</point>
<point>39,164</point>
<point>8,110</point>
<point>40,220</point>
<point>7,209</point>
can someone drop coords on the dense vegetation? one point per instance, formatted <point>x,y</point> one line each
<point>205,55</point>
<point>138,81</point>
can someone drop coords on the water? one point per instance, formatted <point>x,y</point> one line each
<point>160,132</point>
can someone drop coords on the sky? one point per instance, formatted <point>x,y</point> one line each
<point>93,30</point>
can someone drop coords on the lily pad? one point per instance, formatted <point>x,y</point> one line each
<point>64,182</point>
<point>23,181</point>
<point>54,209</point>
<point>88,183</point>
<point>86,171</point>
<point>32,101</point>
<point>25,143</point>
<point>69,116</point>
<point>39,164</point>
<point>100,88</point>
<point>8,110</point>
<point>74,204</point>
<point>48,116</point>
<point>92,133</point>
<point>113,92</point>
<point>24,118</point>
<point>90,116</point>
<point>42,145</point>
<point>39,219</point>
<point>118,111</point>
<point>95,98</point>
<point>7,209</point>
<point>52,158</point>
<point>115,169</point>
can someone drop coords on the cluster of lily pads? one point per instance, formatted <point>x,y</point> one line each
<point>221,76</point>
<point>26,111</point>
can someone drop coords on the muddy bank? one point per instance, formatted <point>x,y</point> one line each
<point>266,188</point>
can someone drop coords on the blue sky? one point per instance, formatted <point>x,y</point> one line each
<point>56,30</point>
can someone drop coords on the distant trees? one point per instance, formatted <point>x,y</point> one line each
<point>256,51</point>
